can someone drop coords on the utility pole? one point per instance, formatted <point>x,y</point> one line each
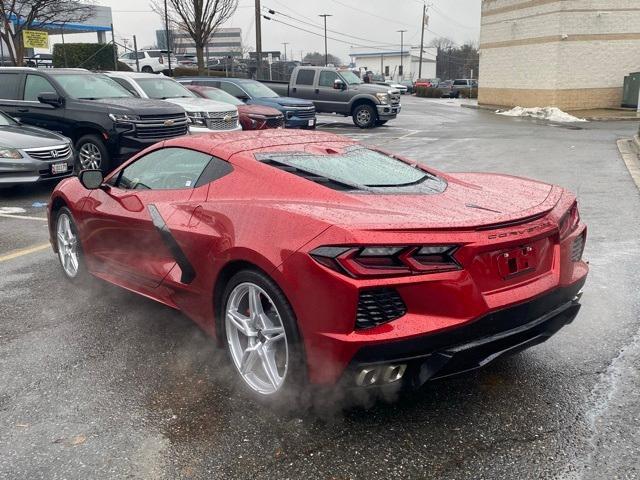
<point>166,36</point>
<point>135,49</point>
<point>401,72</point>
<point>425,23</point>
<point>326,55</point>
<point>258,39</point>
<point>285,50</point>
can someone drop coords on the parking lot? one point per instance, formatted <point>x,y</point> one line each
<point>96,382</point>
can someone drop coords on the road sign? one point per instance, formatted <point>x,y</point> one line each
<point>35,39</point>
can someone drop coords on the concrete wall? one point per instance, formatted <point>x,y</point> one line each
<point>573,54</point>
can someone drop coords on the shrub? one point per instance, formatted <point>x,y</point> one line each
<point>92,56</point>
<point>428,92</point>
<point>473,93</point>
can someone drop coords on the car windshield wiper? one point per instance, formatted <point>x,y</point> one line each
<point>391,185</point>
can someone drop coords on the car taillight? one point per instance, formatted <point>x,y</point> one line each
<point>569,221</point>
<point>385,261</point>
<point>161,59</point>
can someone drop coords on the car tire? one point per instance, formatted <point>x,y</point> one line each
<point>287,380</point>
<point>68,245</point>
<point>365,116</point>
<point>146,69</point>
<point>92,153</point>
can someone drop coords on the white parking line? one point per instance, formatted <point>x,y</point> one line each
<point>23,217</point>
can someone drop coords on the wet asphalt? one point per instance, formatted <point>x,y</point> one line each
<point>97,383</point>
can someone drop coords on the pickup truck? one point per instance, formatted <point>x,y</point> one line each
<point>341,92</point>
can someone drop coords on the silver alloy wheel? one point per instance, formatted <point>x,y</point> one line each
<point>257,339</point>
<point>90,156</point>
<point>67,246</point>
<point>363,116</point>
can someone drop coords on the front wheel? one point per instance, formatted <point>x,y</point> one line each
<point>92,153</point>
<point>68,245</point>
<point>262,336</point>
<point>365,116</point>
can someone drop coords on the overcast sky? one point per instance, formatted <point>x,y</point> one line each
<point>373,22</point>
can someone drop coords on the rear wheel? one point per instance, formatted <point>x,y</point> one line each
<point>92,153</point>
<point>147,69</point>
<point>364,116</point>
<point>262,337</point>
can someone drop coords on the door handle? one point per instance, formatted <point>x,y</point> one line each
<point>294,89</point>
<point>317,90</point>
<point>23,110</point>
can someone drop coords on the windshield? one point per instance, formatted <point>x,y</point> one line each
<point>85,86</point>
<point>257,89</point>
<point>163,88</point>
<point>357,166</point>
<point>6,120</point>
<point>220,96</point>
<point>351,78</point>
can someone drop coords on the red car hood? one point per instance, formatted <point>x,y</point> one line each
<point>258,110</point>
<point>470,200</point>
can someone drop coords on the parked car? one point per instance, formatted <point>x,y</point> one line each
<point>205,115</point>
<point>252,117</point>
<point>106,123</point>
<point>408,84</point>
<point>395,86</point>
<point>40,60</point>
<point>30,155</point>
<point>446,87</point>
<point>315,259</point>
<point>187,61</point>
<point>150,61</point>
<point>297,113</point>
<point>424,83</point>
<point>462,85</point>
<point>342,92</point>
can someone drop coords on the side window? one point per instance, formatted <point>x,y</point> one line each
<point>305,77</point>
<point>386,70</point>
<point>127,85</point>
<point>128,56</point>
<point>35,85</point>
<point>169,168</point>
<point>327,77</point>
<point>460,82</point>
<point>9,85</point>
<point>232,89</point>
<point>140,56</point>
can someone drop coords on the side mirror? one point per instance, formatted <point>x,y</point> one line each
<point>50,98</point>
<point>338,85</point>
<point>91,179</point>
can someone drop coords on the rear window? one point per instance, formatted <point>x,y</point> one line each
<point>460,82</point>
<point>305,77</point>
<point>356,168</point>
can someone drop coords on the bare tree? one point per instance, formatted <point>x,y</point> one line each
<point>198,18</point>
<point>19,15</point>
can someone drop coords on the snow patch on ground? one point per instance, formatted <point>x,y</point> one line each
<point>551,114</point>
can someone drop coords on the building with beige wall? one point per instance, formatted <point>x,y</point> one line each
<point>572,54</point>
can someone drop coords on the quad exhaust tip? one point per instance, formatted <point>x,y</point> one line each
<point>381,375</point>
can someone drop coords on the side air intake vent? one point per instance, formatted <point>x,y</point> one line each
<point>379,306</point>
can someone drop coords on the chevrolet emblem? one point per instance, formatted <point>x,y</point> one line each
<point>227,118</point>
<point>168,123</point>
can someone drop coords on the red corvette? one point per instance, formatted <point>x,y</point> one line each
<point>314,259</point>
<point>252,117</point>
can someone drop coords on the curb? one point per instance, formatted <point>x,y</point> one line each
<point>629,152</point>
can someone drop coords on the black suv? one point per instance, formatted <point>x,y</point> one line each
<point>106,123</point>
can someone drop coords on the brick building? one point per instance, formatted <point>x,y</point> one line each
<point>572,54</point>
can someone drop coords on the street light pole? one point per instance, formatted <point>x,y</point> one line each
<point>285,50</point>
<point>166,36</point>
<point>424,22</point>
<point>326,55</point>
<point>258,39</point>
<point>401,72</point>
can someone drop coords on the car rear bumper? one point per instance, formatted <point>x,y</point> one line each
<point>468,347</point>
